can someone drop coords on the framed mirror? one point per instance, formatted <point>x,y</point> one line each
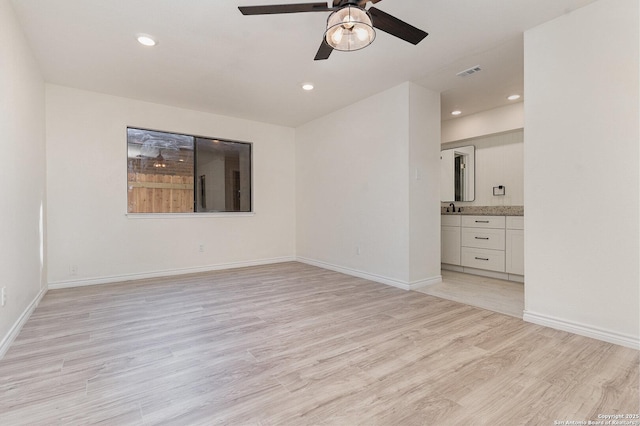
<point>457,174</point>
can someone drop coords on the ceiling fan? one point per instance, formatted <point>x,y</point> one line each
<point>350,25</point>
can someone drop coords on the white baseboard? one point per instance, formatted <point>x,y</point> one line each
<point>415,285</point>
<point>582,329</point>
<point>81,282</point>
<point>372,277</point>
<point>516,278</point>
<point>454,268</point>
<point>17,326</point>
<point>484,273</point>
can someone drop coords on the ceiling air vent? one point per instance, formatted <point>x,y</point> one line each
<point>469,71</point>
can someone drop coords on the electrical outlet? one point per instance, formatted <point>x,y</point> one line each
<point>73,269</point>
<point>3,296</point>
<point>201,247</point>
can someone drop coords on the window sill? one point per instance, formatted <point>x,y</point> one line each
<point>187,215</point>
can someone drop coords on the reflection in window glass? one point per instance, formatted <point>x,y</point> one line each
<point>174,173</point>
<point>224,176</point>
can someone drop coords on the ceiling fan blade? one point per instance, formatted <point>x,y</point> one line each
<point>361,3</point>
<point>284,8</point>
<point>394,26</point>
<point>323,52</point>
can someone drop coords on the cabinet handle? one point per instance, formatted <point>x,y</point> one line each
<point>481,238</point>
<point>482,221</point>
<point>481,258</point>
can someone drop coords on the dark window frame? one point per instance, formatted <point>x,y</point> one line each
<point>245,149</point>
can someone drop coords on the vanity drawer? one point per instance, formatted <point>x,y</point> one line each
<point>492,260</point>
<point>486,238</point>
<point>483,221</point>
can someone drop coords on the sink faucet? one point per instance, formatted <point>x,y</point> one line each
<point>454,207</point>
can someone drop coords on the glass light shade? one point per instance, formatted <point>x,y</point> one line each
<point>349,29</point>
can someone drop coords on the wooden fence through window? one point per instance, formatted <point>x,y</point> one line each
<point>159,193</point>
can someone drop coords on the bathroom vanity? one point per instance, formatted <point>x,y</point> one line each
<point>482,243</point>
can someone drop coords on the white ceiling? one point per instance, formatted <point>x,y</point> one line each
<point>212,58</point>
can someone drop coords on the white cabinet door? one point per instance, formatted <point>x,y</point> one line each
<point>515,222</point>
<point>450,220</point>
<point>515,251</point>
<point>450,245</point>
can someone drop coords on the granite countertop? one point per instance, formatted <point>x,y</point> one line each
<point>486,210</point>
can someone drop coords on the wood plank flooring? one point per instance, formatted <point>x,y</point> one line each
<point>496,295</point>
<point>292,344</point>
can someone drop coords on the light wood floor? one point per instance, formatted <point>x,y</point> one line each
<point>299,345</point>
<point>502,296</point>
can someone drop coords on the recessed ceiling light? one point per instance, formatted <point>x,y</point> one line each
<point>456,112</point>
<point>146,40</point>
<point>513,97</point>
<point>307,86</point>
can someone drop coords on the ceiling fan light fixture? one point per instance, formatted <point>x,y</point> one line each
<point>349,29</point>
<point>159,162</point>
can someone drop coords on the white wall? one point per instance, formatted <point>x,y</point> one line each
<point>22,262</point>
<point>581,172</point>
<point>499,161</point>
<point>353,188</point>
<point>497,120</point>
<point>87,188</point>
<point>424,185</point>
